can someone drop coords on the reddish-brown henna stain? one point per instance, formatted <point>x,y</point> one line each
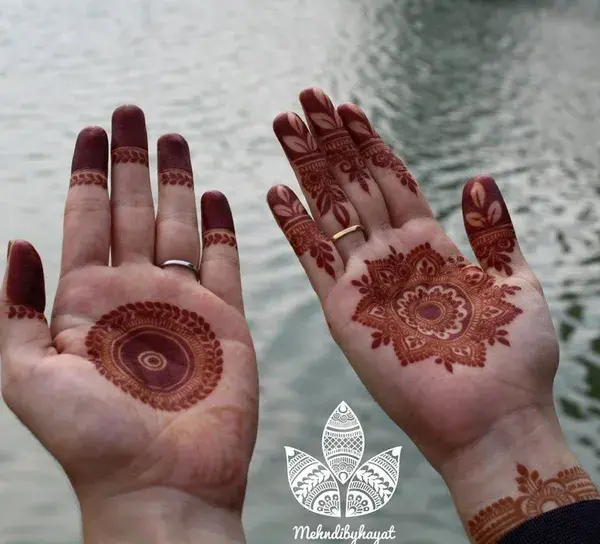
<point>298,227</point>
<point>488,224</point>
<point>25,288</point>
<point>90,158</point>
<point>536,497</point>
<point>428,306</point>
<point>311,167</point>
<point>216,237</point>
<point>373,148</point>
<point>129,141</point>
<point>339,148</point>
<point>216,213</point>
<point>174,163</point>
<point>156,352</point>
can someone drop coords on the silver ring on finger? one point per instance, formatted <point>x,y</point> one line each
<point>179,262</point>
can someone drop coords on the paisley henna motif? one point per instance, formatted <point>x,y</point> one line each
<point>488,225</point>
<point>373,148</point>
<point>300,229</point>
<point>176,177</point>
<point>218,236</point>
<point>88,177</point>
<point>19,311</point>
<point>537,496</point>
<point>339,148</point>
<point>165,356</point>
<point>426,306</point>
<point>130,155</point>
<point>311,166</point>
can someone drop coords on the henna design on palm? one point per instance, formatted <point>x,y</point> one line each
<point>300,229</point>
<point>537,495</point>
<point>339,148</point>
<point>373,148</point>
<point>489,226</point>
<point>158,353</point>
<point>311,166</point>
<point>428,306</point>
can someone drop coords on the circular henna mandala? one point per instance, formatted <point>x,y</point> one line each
<point>428,306</point>
<point>158,353</point>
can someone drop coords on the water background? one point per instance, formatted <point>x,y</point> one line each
<point>459,88</point>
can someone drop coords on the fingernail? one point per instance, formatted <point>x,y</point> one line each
<point>216,213</point>
<point>25,276</point>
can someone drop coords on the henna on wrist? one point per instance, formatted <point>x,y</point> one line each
<point>427,306</point>
<point>536,496</point>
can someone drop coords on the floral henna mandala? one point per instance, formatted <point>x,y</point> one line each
<point>374,149</point>
<point>537,496</point>
<point>300,229</point>
<point>218,236</point>
<point>158,353</point>
<point>488,225</point>
<point>129,155</point>
<point>339,148</point>
<point>311,167</point>
<point>426,306</point>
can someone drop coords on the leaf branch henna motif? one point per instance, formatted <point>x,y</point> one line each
<point>160,354</point>
<point>537,496</point>
<point>20,311</point>
<point>88,177</point>
<point>488,225</point>
<point>176,177</point>
<point>311,167</point>
<point>426,306</point>
<point>218,236</point>
<point>300,229</point>
<point>373,148</point>
<point>339,148</point>
<point>130,155</point>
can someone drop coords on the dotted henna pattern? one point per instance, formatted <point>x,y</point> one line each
<point>301,231</point>
<point>426,306</point>
<point>129,155</point>
<point>488,225</point>
<point>337,144</point>
<point>19,311</point>
<point>537,496</point>
<point>311,167</point>
<point>176,177</point>
<point>373,148</point>
<point>218,236</point>
<point>158,353</point>
<point>88,177</point>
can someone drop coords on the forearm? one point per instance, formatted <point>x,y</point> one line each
<point>158,516</point>
<point>521,469</point>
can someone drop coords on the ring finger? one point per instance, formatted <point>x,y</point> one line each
<point>177,236</point>
<point>330,207</point>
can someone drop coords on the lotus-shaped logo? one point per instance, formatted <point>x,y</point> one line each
<point>316,487</point>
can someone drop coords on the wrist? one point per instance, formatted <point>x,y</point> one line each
<point>158,516</point>
<point>520,469</point>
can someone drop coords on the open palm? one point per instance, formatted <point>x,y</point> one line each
<point>447,348</point>
<point>146,377</point>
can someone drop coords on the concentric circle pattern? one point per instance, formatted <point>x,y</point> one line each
<point>163,355</point>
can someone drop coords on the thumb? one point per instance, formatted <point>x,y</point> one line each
<point>24,332</point>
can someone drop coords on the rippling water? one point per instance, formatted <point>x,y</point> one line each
<point>459,88</point>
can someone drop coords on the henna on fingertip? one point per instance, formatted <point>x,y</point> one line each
<point>25,287</point>
<point>90,158</point>
<point>129,139</point>
<point>174,162</point>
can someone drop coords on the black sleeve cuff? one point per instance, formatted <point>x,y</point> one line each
<point>577,523</point>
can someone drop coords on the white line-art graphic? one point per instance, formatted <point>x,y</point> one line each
<point>317,487</point>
